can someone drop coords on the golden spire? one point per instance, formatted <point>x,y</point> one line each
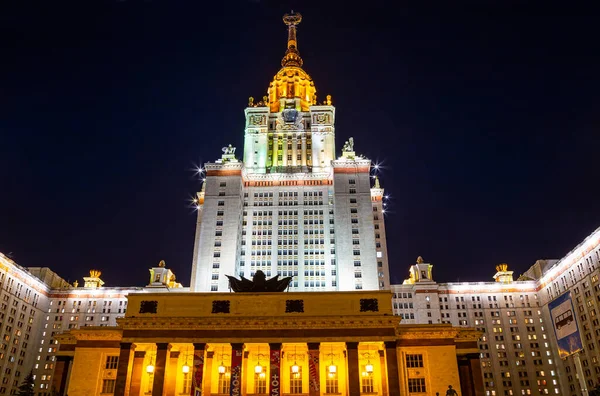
<point>292,56</point>
<point>377,183</point>
<point>419,260</point>
<point>291,81</point>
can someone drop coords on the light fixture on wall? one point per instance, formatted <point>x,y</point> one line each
<point>295,367</point>
<point>150,366</point>
<point>332,368</point>
<point>222,368</point>
<point>369,366</point>
<point>186,367</point>
<point>258,369</point>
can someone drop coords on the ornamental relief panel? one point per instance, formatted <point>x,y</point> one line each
<point>322,118</point>
<point>257,120</point>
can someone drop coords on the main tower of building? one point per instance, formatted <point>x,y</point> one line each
<point>289,207</point>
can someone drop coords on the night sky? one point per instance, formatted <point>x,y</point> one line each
<point>485,116</point>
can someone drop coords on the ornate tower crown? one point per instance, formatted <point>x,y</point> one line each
<point>292,56</point>
<point>291,83</point>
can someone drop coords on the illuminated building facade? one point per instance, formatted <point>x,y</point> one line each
<point>290,207</point>
<point>303,343</point>
<point>519,354</point>
<point>36,305</point>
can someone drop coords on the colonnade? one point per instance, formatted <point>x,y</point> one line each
<point>340,368</point>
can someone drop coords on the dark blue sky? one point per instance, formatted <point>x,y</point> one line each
<point>485,114</point>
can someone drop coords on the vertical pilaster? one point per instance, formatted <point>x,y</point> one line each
<point>171,374</point>
<point>61,373</point>
<point>475,362</point>
<point>275,369</point>
<point>207,379</point>
<point>469,371</point>
<point>304,149</point>
<point>136,373</point>
<point>314,381</point>
<point>275,150</point>
<point>284,157</point>
<point>122,369</point>
<point>244,385</point>
<point>237,351</point>
<point>384,382</point>
<point>353,369</point>
<point>294,151</point>
<point>198,367</point>
<point>391,356</point>
<point>160,368</point>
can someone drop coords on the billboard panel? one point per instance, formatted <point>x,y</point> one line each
<point>565,326</point>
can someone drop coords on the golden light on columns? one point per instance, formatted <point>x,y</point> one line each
<point>150,368</point>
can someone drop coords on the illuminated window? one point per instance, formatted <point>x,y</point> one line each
<point>108,386</point>
<point>260,380</point>
<point>187,383</point>
<point>224,380</point>
<point>414,360</point>
<point>366,380</point>
<point>111,362</point>
<point>295,379</point>
<point>416,385</point>
<point>331,383</point>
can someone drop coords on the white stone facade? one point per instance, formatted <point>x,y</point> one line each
<point>518,350</point>
<point>290,208</point>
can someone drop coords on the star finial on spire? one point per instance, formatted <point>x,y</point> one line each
<point>292,56</point>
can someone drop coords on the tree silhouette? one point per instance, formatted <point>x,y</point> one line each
<point>27,387</point>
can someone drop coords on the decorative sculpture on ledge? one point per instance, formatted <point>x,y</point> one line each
<point>259,283</point>
<point>348,145</point>
<point>228,150</point>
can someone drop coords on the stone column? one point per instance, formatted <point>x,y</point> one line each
<point>160,368</point>
<point>275,153</point>
<point>469,371</point>
<point>391,355</point>
<point>314,379</point>
<point>384,383</point>
<point>207,378</point>
<point>122,369</point>
<point>244,385</point>
<point>353,369</point>
<point>285,151</point>
<point>198,365</point>
<point>304,149</point>
<point>237,375</point>
<point>171,374</point>
<point>294,151</point>
<point>137,372</point>
<point>275,369</point>
<point>475,361</point>
<point>61,373</point>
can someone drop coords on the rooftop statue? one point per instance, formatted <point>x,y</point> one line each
<point>348,145</point>
<point>228,150</point>
<point>259,283</point>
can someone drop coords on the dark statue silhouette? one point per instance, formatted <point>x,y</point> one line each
<point>259,283</point>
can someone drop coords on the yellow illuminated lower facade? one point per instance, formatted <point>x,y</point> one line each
<point>267,344</point>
